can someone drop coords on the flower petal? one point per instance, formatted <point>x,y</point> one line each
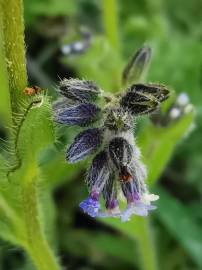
<point>84,144</point>
<point>79,90</point>
<point>90,206</point>
<point>115,212</point>
<point>130,191</point>
<point>81,115</point>
<point>136,208</point>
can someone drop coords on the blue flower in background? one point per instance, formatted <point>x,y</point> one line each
<point>116,170</point>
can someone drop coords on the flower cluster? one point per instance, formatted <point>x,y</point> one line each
<point>116,165</point>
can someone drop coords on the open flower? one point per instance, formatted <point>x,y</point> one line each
<point>116,166</point>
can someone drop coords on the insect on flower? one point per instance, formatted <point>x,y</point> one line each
<point>109,136</point>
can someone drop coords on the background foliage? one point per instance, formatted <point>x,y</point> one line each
<point>171,238</point>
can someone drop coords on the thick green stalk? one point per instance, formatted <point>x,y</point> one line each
<point>37,245</point>
<point>14,49</point>
<point>13,33</point>
<point>5,106</point>
<point>110,22</point>
<point>139,229</point>
<point>146,246</point>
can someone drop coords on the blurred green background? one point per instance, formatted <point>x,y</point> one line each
<point>174,30</point>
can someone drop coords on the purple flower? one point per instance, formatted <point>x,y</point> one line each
<point>91,205</point>
<point>84,144</point>
<point>116,165</point>
<point>130,191</point>
<point>79,90</point>
<point>81,115</point>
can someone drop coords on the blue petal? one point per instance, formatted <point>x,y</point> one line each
<point>90,206</point>
<point>84,144</point>
<point>81,115</point>
<point>136,208</point>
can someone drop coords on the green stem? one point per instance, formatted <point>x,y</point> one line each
<point>5,105</point>
<point>148,260</point>
<point>110,21</point>
<point>38,247</point>
<point>13,33</point>
<point>14,49</point>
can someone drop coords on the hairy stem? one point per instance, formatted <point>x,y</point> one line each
<point>13,34</point>
<point>5,105</point>
<point>37,245</point>
<point>110,22</point>
<point>14,49</point>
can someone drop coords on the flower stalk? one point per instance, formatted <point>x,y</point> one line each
<point>14,49</point>
<point>37,245</point>
<point>5,105</point>
<point>110,22</point>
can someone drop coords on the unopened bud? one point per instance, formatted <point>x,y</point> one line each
<point>137,66</point>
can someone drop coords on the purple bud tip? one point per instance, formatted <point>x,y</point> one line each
<point>133,197</point>
<point>90,206</point>
<point>111,204</point>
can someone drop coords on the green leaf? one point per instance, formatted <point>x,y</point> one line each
<point>36,131</point>
<point>33,133</point>
<point>180,222</point>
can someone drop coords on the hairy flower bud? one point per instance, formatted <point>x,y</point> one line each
<point>160,92</point>
<point>137,66</point>
<point>79,90</point>
<point>120,152</point>
<point>81,115</point>
<point>144,98</point>
<point>99,172</point>
<point>84,144</point>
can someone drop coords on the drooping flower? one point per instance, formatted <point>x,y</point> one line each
<point>98,175</point>
<point>116,166</point>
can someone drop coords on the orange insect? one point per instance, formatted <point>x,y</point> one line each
<point>32,90</point>
<point>124,175</point>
